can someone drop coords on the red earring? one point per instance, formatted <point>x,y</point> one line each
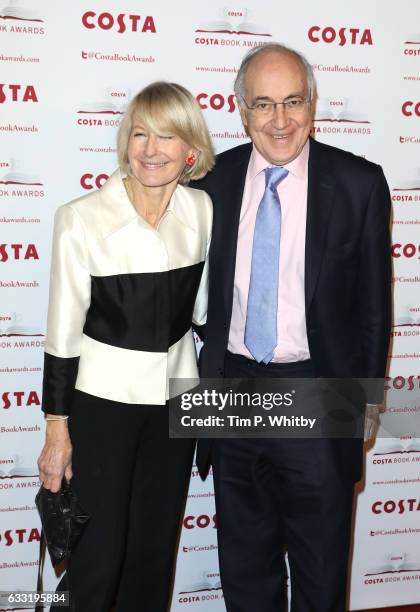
<point>190,160</point>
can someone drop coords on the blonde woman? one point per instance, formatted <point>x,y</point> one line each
<point>128,278</point>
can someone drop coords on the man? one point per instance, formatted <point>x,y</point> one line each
<point>318,254</point>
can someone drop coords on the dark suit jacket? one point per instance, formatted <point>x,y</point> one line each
<point>347,263</point>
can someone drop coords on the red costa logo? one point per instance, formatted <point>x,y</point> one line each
<point>410,108</point>
<point>20,536</point>
<point>406,197</point>
<point>343,36</point>
<point>17,93</point>
<point>20,398</point>
<point>18,251</point>
<point>92,121</point>
<point>90,181</point>
<point>121,22</point>
<point>408,383</point>
<point>202,521</point>
<point>406,250</point>
<point>216,101</point>
<point>400,506</point>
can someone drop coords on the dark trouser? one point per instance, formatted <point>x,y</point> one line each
<point>132,480</point>
<point>273,494</point>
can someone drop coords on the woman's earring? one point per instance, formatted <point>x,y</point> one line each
<point>190,160</point>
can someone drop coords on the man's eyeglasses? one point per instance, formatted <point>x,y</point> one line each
<point>291,106</point>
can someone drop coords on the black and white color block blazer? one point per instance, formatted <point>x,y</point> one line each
<point>123,296</point>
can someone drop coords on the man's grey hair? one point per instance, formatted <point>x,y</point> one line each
<point>239,85</point>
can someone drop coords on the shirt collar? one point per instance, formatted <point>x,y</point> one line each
<point>297,167</point>
<point>117,210</point>
<point>180,206</point>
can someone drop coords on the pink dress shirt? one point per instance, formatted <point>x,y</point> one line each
<point>292,341</point>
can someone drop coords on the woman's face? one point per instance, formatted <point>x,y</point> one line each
<point>156,160</point>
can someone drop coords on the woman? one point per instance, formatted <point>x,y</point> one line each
<point>127,280</point>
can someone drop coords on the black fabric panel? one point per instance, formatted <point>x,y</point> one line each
<point>147,311</point>
<point>60,375</point>
<point>184,283</point>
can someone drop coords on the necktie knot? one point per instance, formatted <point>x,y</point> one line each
<point>274,175</point>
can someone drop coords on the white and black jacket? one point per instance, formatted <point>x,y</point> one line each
<point>123,296</point>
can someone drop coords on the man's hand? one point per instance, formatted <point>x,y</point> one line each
<point>54,462</point>
<point>372,420</point>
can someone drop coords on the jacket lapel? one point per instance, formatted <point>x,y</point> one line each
<point>321,191</point>
<point>116,208</point>
<point>232,197</point>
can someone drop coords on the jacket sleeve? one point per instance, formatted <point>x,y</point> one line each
<point>69,301</point>
<point>200,306</point>
<point>375,288</point>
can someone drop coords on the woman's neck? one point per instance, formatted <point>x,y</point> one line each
<point>150,202</point>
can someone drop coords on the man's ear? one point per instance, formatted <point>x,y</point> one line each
<point>244,117</point>
<point>242,111</point>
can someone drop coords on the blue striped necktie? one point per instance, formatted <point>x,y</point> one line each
<point>261,314</point>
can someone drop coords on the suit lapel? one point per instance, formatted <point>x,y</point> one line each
<point>232,197</point>
<point>321,190</point>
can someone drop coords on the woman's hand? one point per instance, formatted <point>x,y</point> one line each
<point>54,462</point>
<point>372,420</point>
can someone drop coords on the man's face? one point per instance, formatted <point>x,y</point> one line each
<point>281,135</point>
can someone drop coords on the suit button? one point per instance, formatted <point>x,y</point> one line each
<point>224,326</point>
<point>221,371</point>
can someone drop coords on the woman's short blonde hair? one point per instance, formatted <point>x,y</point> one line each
<point>163,108</point>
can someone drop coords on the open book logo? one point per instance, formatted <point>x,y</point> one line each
<point>395,564</point>
<point>19,470</point>
<point>16,176</point>
<point>17,327</point>
<point>410,182</point>
<point>398,446</point>
<point>110,102</point>
<point>413,39</point>
<point>408,317</point>
<point>342,113</point>
<point>407,321</point>
<point>233,21</point>
<point>205,582</point>
<point>19,330</point>
<point>15,11</point>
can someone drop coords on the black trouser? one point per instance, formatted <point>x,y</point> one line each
<point>132,480</point>
<point>273,494</point>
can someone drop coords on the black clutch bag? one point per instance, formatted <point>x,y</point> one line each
<point>62,519</point>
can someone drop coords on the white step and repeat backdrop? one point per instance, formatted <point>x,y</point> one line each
<point>67,71</point>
